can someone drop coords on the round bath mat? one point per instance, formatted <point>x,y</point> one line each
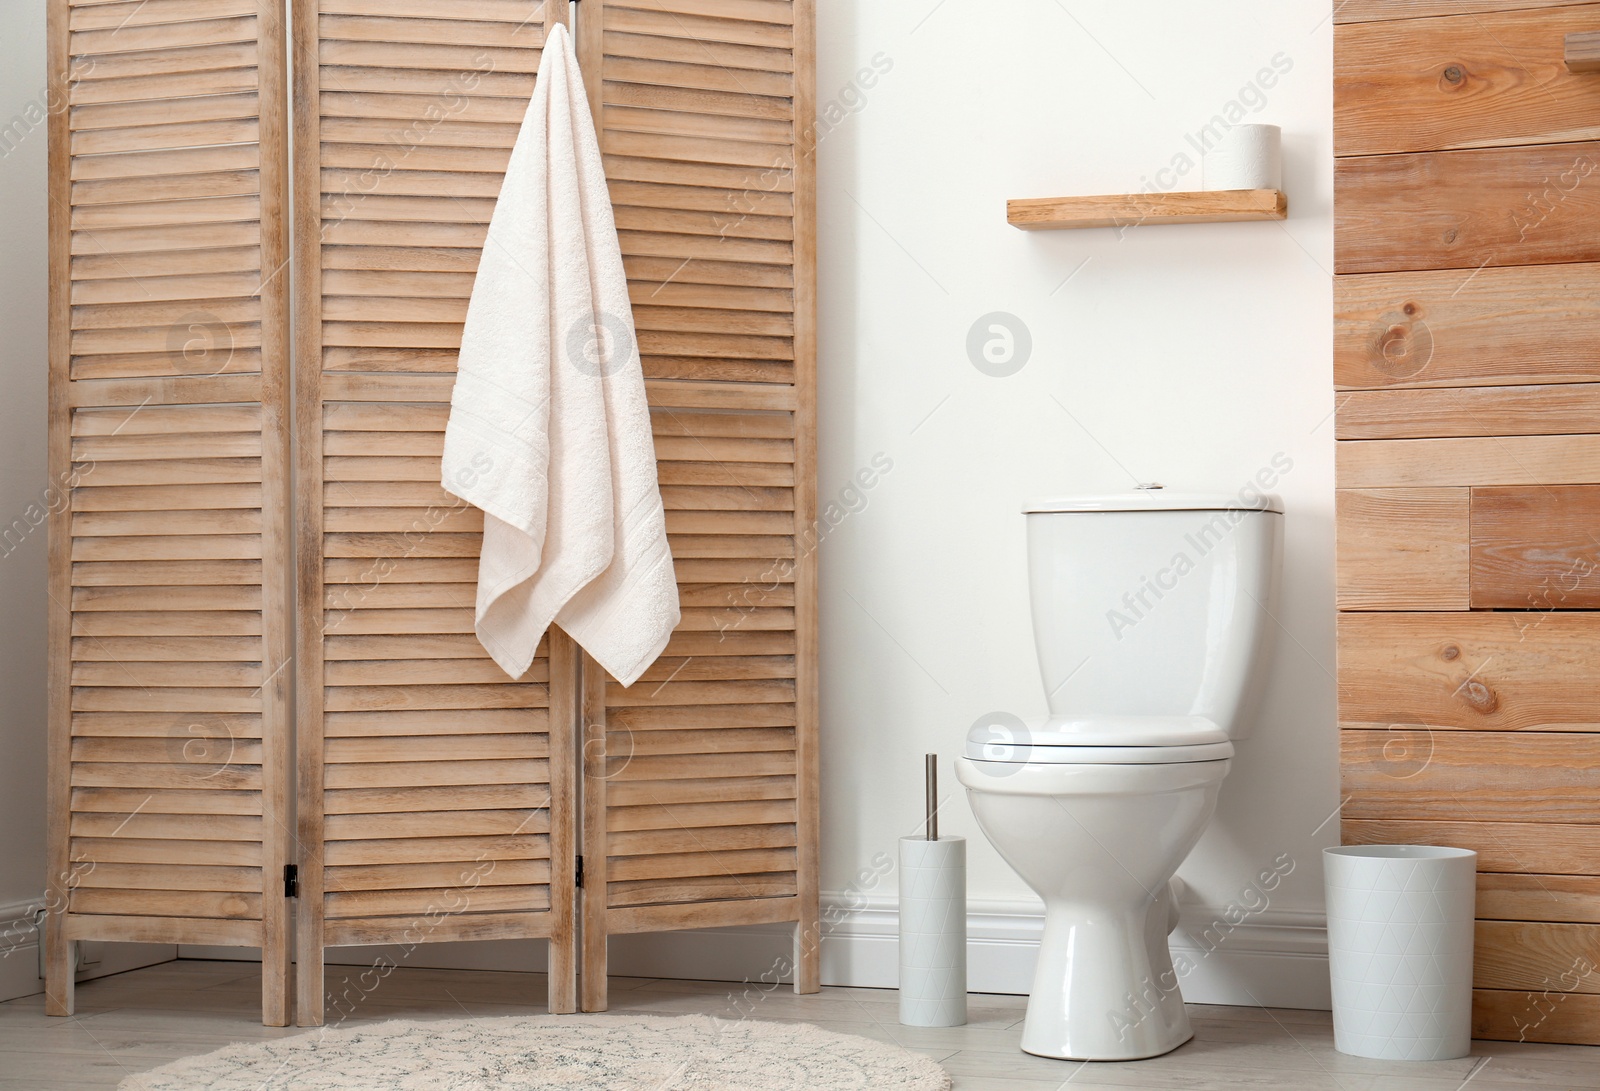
<point>556,1053</point>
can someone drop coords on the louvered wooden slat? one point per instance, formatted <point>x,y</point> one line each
<point>715,25</point>
<point>475,721</point>
<point>145,776</point>
<point>169,560</point>
<point>513,86</point>
<point>167,903</point>
<point>741,893</point>
<point>155,599</point>
<point>728,68</point>
<point>150,824</point>
<point>182,877</point>
<point>226,80</point>
<point>139,115</point>
<point>437,823</point>
<point>457,929</point>
<point>699,815</point>
<point>143,724</point>
<point>434,798</point>
<point>201,849</point>
<point>425,850</point>
<point>159,623</point>
<point>405,906</point>
<point>420,876</point>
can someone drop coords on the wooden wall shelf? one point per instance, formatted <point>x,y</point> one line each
<point>1583,51</point>
<point>1133,209</point>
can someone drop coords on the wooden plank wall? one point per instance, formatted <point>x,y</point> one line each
<point>701,779</point>
<point>1467,361</point>
<point>437,796</point>
<point>169,565</point>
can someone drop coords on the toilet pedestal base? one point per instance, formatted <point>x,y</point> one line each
<point>1104,988</point>
<point>1100,844</point>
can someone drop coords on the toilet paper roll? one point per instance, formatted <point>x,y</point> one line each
<point>933,932</point>
<point>1247,157</point>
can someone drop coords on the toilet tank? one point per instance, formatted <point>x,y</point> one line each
<point>1154,603</point>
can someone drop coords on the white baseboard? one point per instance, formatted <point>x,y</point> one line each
<point>19,953</point>
<point>1275,958</point>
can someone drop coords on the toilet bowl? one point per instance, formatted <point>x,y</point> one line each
<point>1151,616</point>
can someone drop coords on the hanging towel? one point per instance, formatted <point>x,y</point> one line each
<point>549,429</point>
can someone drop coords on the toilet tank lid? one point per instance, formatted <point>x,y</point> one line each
<point>1158,499</point>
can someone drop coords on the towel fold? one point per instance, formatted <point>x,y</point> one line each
<point>549,429</point>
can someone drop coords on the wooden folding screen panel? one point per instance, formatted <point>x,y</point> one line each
<point>169,599</point>
<point>700,793</point>
<point>428,780</point>
<point>1468,319</point>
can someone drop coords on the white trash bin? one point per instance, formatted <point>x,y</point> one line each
<point>1400,930</point>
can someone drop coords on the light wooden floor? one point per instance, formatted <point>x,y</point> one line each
<point>138,1020</point>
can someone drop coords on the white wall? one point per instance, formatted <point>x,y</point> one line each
<point>23,508</point>
<point>1189,355</point>
<point>22,458</point>
<point>22,483</point>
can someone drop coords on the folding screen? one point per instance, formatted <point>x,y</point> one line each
<point>169,608</point>
<point>428,779</point>
<point>700,788</point>
<point>436,799</point>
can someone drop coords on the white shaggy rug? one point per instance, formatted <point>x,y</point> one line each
<point>556,1053</point>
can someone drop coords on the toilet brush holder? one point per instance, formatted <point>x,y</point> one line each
<point>933,932</point>
<point>933,920</point>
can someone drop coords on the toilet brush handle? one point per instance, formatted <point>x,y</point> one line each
<point>931,774</point>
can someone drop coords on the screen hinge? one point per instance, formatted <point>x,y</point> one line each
<point>291,880</point>
<point>580,873</point>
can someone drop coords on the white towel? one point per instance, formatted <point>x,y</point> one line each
<point>549,428</point>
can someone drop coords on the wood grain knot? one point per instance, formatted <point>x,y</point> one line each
<point>1402,344</point>
<point>1453,75</point>
<point>1479,696</point>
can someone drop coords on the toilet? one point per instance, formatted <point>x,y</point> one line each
<point>1152,622</point>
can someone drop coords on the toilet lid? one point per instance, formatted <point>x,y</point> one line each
<point>1099,755</point>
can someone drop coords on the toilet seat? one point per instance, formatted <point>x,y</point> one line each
<point>1025,754</point>
<point>1127,731</point>
<point>1071,780</point>
<point>1102,740</point>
